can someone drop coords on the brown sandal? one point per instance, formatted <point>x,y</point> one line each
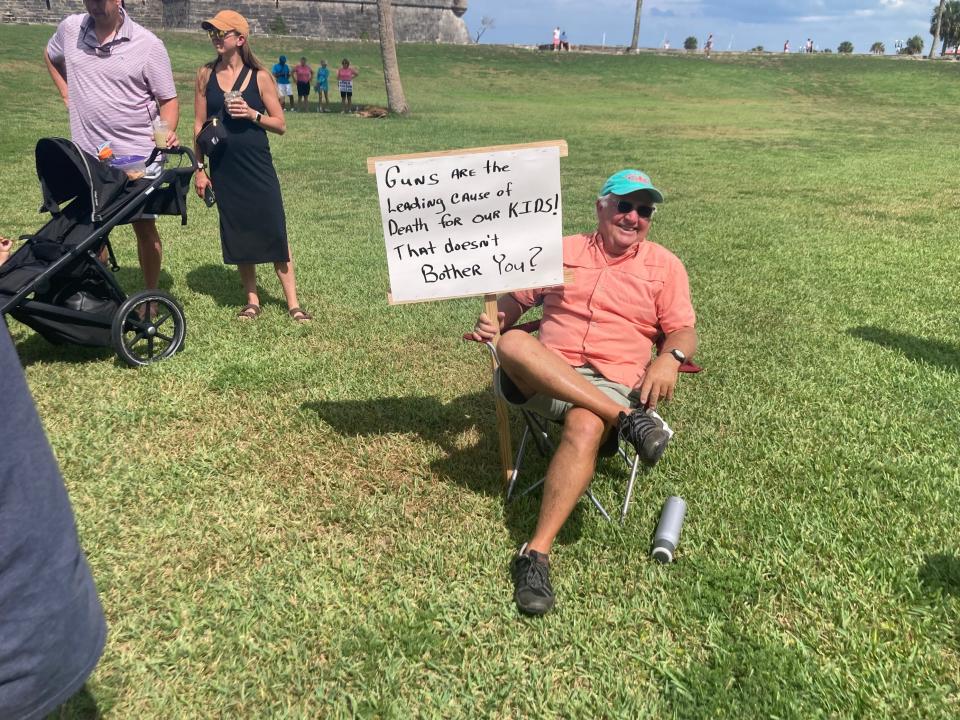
<point>249,312</point>
<point>299,315</point>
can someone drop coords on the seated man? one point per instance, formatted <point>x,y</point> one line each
<point>591,363</point>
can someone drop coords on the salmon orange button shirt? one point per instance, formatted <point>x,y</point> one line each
<point>612,312</point>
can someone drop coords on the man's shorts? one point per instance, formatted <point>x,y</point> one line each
<point>553,409</point>
<point>321,87</point>
<point>284,90</point>
<point>303,89</point>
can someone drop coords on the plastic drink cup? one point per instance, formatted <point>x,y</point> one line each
<point>231,96</point>
<point>160,132</point>
<point>667,536</point>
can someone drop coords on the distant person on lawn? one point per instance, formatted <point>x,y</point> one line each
<point>114,77</point>
<point>281,73</point>
<point>303,74</point>
<point>590,367</point>
<point>323,87</point>
<point>345,77</point>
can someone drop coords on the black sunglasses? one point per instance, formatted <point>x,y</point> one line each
<point>644,211</point>
<point>105,49</point>
<point>221,34</point>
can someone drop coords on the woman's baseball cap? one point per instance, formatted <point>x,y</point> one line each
<point>628,181</point>
<point>227,20</point>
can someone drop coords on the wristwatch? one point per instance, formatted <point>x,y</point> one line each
<point>201,167</point>
<point>680,357</point>
<point>257,118</point>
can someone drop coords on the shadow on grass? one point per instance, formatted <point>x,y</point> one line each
<point>916,349</point>
<point>941,572</point>
<point>130,278</point>
<point>222,283</point>
<point>475,468</point>
<point>82,706</point>
<point>431,420</point>
<point>35,349</point>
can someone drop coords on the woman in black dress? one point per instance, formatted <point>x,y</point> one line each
<point>253,228</point>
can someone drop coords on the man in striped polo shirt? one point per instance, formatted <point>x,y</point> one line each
<point>115,77</point>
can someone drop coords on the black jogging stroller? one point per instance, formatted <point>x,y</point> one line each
<point>55,282</point>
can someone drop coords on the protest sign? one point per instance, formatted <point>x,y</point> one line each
<point>471,222</point>
<point>478,221</point>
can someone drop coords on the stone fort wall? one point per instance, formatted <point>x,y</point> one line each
<point>414,20</point>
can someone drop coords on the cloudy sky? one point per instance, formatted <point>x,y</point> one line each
<point>737,24</point>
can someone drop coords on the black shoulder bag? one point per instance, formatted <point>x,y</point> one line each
<point>212,137</point>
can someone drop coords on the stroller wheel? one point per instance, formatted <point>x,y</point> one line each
<point>150,326</point>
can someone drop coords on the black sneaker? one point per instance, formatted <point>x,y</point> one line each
<point>531,580</point>
<point>647,435</point>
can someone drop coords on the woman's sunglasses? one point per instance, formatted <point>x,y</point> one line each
<point>644,211</point>
<point>221,35</point>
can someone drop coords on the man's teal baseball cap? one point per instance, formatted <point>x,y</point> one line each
<point>628,181</point>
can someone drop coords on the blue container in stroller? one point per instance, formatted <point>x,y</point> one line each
<point>55,282</point>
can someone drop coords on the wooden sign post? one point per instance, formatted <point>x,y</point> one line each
<point>472,222</point>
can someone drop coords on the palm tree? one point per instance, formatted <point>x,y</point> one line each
<point>388,54</point>
<point>878,48</point>
<point>936,30</point>
<point>914,46</point>
<point>949,34</point>
<point>845,48</point>
<point>634,44</point>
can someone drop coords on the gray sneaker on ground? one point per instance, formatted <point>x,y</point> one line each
<point>531,581</point>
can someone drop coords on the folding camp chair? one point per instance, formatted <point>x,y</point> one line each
<point>537,429</point>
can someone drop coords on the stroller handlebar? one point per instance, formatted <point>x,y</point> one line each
<point>180,150</point>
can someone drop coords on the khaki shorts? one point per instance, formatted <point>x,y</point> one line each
<point>553,409</point>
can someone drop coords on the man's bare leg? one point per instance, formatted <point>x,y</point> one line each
<point>535,369</point>
<point>568,475</point>
<point>149,251</point>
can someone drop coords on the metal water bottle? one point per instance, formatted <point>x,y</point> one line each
<point>667,536</point>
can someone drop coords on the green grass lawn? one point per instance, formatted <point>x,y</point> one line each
<point>289,521</point>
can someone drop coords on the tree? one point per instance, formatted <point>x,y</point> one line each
<point>936,28</point>
<point>634,44</point>
<point>949,25</point>
<point>277,26</point>
<point>913,46</point>
<point>878,49</point>
<point>388,54</point>
<point>486,23</point>
<point>845,48</point>
<point>758,48</point>
<point>690,43</point>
